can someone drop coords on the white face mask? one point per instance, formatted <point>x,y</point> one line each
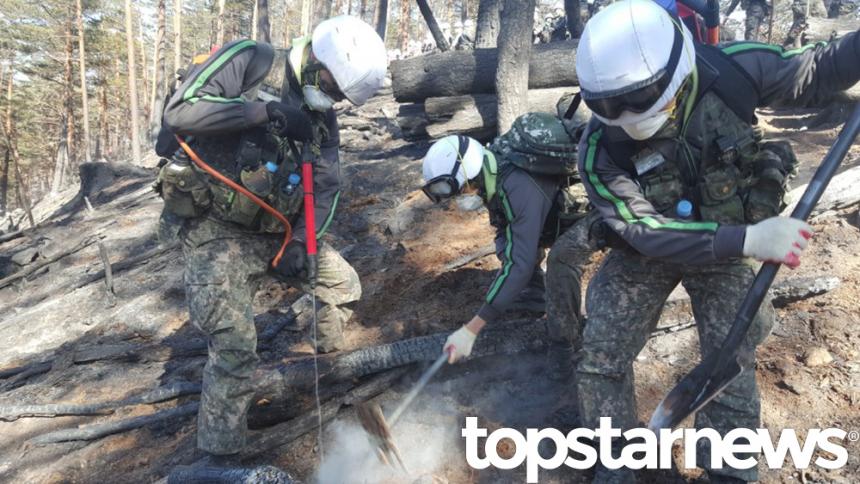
<point>316,99</point>
<point>647,127</point>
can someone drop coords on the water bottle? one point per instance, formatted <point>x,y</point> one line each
<point>684,209</point>
<point>292,182</point>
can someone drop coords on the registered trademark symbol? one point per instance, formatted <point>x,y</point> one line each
<point>853,436</point>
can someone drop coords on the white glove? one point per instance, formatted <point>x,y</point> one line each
<point>777,239</point>
<point>459,344</point>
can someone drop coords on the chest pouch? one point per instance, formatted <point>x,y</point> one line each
<point>286,197</point>
<point>660,181</point>
<point>720,201</point>
<point>774,167</point>
<point>257,147</point>
<point>185,190</point>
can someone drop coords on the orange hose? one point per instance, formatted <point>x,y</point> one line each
<point>288,229</point>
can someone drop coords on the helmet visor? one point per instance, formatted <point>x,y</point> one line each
<point>441,187</point>
<point>446,186</point>
<point>639,97</point>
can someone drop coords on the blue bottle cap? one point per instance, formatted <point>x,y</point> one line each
<point>271,166</point>
<point>294,179</point>
<point>684,208</point>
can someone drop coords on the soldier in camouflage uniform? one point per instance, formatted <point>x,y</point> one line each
<point>794,36</point>
<point>535,200</point>
<point>756,12</point>
<point>243,111</point>
<point>677,171</point>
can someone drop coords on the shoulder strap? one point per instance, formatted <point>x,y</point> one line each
<point>490,173</point>
<point>721,74</point>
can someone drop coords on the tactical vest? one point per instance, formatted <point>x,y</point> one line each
<point>539,144</point>
<point>242,157</point>
<point>715,158</point>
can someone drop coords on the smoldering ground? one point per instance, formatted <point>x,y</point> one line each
<point>518,391</point>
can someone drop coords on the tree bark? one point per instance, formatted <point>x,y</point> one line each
<point>438,36</point>
<point>405,13</point>
<point>264,30</point>
<point>488,24</point>
<point>219,29</point>
<point>470,115</point>
<point>158,91</point>
<point>381,18</point>
<point>68,93</point>
<point>4,181</point>
<point>177,40</point>
<point>573,16</point>
<point>454,73</point>
<point>512,76</point>
<point>85,110</point>
<point>307,9</point>
<point>132,85</point>
<point>12,146</point>
<point>322,11</point>
<point>362,10</point>
<point>254,19</point>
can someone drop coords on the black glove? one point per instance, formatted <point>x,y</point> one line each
<point>290,122</point>
<point>293,264</point>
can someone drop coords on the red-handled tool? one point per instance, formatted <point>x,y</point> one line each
<point>309,153</point>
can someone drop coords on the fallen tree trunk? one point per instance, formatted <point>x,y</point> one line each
<point>128,263</point>
<point>11,236</point>
<point>98,431</point>
<point>842,192</point>
<point>11,413</point>
<point>470,115</point>
<point>38,265</point>
<point>474,72</point>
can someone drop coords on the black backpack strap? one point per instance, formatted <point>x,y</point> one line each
<point>721,74</point>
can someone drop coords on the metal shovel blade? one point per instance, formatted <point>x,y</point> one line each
<point>693,392</point>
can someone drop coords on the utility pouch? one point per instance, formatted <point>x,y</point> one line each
<point>287,201</point>
<point>662,188</point>
<point>720,201</point>
<point>232,206</point>
<point>572,203</point>
<point>774,167</point>
<point>185,190</point>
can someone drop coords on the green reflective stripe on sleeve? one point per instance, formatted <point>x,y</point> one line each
<point>621,208</point>
<point>216,99</point>
<point>191,93</point>
<point>330,216</point>
<point>743,47</point>
<point>509,246</point>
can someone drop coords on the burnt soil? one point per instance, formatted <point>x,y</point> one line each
<point>400,246</point>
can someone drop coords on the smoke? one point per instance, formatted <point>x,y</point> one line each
<point>426,448</point>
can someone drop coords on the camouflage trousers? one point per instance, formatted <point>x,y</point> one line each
<point>223,269</point>
<point>567,259</point>
<point>756,11</point>
<point>624,302</point>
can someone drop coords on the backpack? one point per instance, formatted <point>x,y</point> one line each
<point>538,143</point>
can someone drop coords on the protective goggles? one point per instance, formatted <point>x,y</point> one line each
<point>330,89</point>
<point>446,186</point>
<point>639,97</point>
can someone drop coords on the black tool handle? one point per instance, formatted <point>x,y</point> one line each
<point>764,278</point>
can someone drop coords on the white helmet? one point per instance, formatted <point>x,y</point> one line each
<point>631,61</point>
<point>354,54</point>
<point>449,163</point>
